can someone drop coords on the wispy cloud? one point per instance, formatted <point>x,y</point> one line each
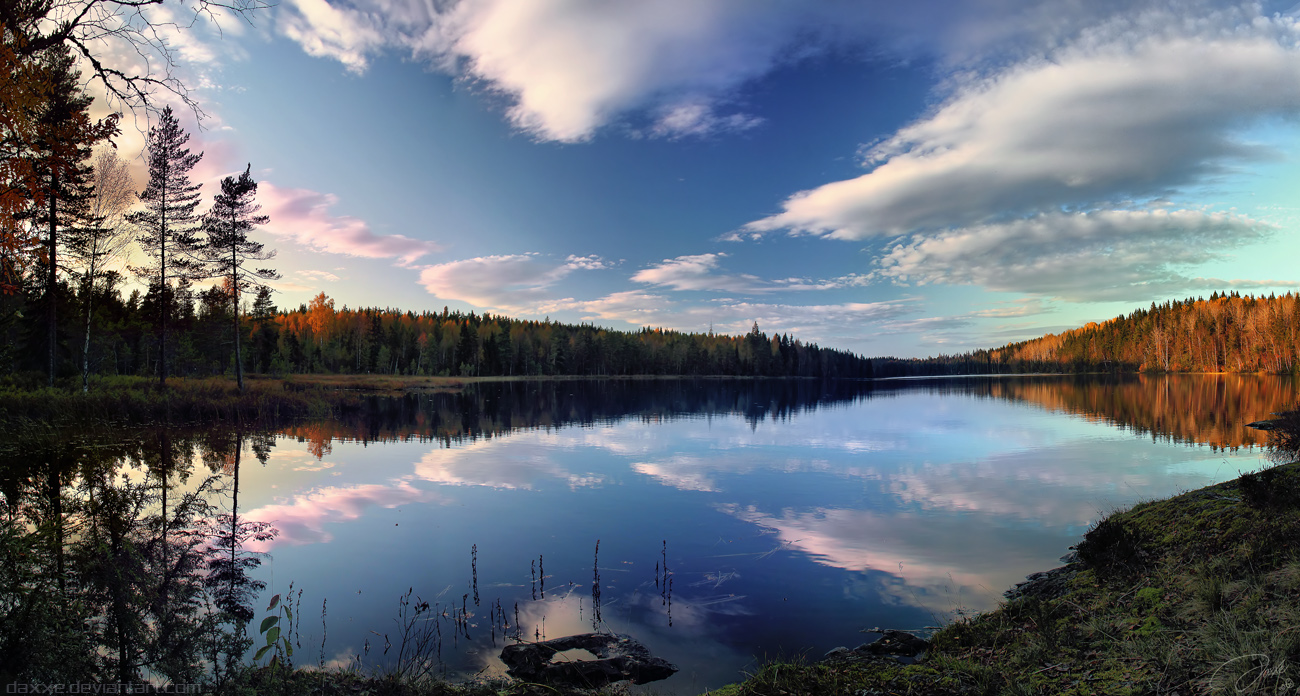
<point>820,323</point>
<point>511,282</point>
<point>699,120</point>
<point>304,216</point>
<point>318,276</point>
<point>1128,112</point>
<point>1102,255</point>
<point>701,272</point>
<point>330,31</point>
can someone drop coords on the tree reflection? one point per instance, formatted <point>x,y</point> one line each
<point>119,564</point>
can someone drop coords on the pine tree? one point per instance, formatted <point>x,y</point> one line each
<point>228,248</point>
<point>61,181</point>
<point>167,227</point>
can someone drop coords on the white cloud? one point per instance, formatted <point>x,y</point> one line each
<point>698,272</point>
<point>303,216</point>
<point>694,273</point>
<point>571,67</point>
<point>328,31</point>
<point>699,119</point>
<point>1131,110</point>
<point>590,262</point>
<point>318,276</point>
<point>304,519</point>
<point>681,471</point>
<point>1102,255</point>
<point>512,282</point>
<point>525,464</point>
<point>632,306</point>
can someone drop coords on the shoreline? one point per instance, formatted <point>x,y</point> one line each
<point>1195,593</point>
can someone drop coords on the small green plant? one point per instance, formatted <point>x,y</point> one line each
<point>276,638</point>
<point>1148,598</point>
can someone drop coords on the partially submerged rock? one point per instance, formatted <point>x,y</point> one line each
<point>898,646</point>
<point>620,658</point>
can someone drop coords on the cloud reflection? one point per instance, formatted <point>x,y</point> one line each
<point>304,520</point>
<point>936,557</point>
<point>518,464</point>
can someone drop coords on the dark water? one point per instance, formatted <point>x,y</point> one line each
<point>735,520</point>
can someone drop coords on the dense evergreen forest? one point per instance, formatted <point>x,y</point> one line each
<point>319,338</point>
<point>1226,333</point>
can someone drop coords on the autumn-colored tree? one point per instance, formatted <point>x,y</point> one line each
<point>320,315</point>
<point>24,85</point>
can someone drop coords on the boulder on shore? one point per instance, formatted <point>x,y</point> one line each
<point>620,658</point>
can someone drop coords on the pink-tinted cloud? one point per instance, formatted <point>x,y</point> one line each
<point>304,216</point>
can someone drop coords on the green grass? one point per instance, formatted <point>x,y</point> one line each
<point>1196,594</point>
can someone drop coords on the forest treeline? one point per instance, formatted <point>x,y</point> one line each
<point>318,338</point>
<point>1226,333</point>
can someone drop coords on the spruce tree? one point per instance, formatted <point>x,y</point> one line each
<point>60,184</point>
<point>228,248</point>
<point>167,226</point>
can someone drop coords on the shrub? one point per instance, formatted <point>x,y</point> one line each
<point>1267,488</point>
<point>1112,544</point>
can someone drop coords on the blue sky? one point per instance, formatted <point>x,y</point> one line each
<point>889,178</point>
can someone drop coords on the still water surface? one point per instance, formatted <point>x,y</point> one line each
<point>789,516</point>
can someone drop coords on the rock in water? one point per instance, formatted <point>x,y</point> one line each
<point>621,658</point>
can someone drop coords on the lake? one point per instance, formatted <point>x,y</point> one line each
<point>722,521</point>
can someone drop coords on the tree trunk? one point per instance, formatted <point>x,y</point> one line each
<point>85,348</point>
<point>162,293</point>
<point>234,295</point>
<point>51,278</point>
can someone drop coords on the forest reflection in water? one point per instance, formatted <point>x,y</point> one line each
<point>785,515</point>
<point>1194,409</point>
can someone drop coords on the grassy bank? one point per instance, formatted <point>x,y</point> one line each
<point>1196,594</point>
<point>140,401</point>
